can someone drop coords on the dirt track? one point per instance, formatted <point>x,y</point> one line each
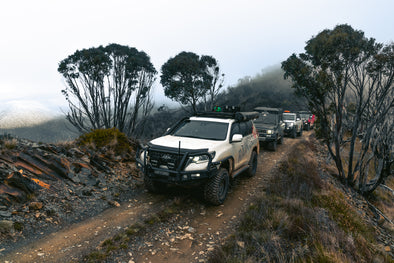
<point>201,227</point>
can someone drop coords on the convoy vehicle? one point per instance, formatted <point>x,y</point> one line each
<point>308,119</point>
<point>207,149</point>
<point>270,126</point>
<point>293,124</point>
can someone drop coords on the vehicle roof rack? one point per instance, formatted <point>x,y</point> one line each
<point>264,109</point>
<point>239,116</point>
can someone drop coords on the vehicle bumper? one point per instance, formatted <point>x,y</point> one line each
<point>289,131</point>
<point>267,138</point>
<point>176,175</point>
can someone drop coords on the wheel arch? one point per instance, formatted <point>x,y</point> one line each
<point>228,164</point>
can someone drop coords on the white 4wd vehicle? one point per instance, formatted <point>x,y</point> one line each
<point>294,125</point>
<point>207,149</point>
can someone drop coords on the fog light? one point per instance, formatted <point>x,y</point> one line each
<point>195,175</point>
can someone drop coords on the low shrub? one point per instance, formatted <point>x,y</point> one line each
<point>107,140</point>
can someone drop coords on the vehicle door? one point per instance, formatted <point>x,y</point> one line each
<point>282,125</point>
<point>248,141</point>
<point>236,147</point>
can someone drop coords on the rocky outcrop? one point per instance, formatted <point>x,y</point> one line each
<point>43,186</point>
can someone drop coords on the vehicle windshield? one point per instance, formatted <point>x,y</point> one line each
<point>207,130</point>
<point>304,116</point>
<point>266,118</point>
<point>289,117</point>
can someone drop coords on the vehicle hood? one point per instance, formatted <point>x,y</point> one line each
<point>265,126</point>
<point>186,143</point>
<point>287,121</point>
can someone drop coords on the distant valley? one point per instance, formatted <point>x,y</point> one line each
<point>34,121</point>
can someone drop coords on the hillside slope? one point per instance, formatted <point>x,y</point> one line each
<point>93,204</point>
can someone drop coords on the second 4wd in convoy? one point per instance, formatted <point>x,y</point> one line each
<point>270,126</point>
<point>206,150</point>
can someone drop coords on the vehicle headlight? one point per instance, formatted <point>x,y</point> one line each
<point>291,124</point>
<point>142,157</point>
<point>199,162</point>
<point>270,131</point>
<point>199,159</point>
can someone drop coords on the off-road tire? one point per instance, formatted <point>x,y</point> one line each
<point>308,127</point>
<point>300,133</point>
<point>273,146</point>
<point>280,141</point>
<point>216,189</point>
<point>153,186</point>
<point>252,165</point>
<point>294,133</point>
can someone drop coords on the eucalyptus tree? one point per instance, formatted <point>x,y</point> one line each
<point>188,79</point>
<point>347,80</point>
<point>215,79</point>
<point>107,87</point>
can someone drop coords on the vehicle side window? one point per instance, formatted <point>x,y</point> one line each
<point>235,129</point>
<point>246,128</point>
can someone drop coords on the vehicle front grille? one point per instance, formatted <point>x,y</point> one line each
<point>164,160</point>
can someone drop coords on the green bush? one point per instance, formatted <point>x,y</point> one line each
<point>109,139</point>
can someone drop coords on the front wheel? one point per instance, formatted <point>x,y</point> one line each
<point>300,133</point>
<point>294,133</point>
<point>216,189</point>
<point>280,141</point>
<point>153,186</point>
<point>273,146</point>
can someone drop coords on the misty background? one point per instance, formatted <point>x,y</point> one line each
<point>248,38</point>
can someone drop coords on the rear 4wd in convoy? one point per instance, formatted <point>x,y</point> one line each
<point>308,119</point>
<point>206,150</point>
<point>293,124</point>
<point>270,126</point>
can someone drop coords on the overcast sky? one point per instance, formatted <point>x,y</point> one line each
<point>244,36</point>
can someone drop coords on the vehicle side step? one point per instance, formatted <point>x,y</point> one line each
<point>240,170</point>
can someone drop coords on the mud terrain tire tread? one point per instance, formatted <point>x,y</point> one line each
<point>216,189</point>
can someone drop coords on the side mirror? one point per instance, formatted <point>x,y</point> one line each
<point>237,138</point>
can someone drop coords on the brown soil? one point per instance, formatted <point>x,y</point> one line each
<point>197,231</point>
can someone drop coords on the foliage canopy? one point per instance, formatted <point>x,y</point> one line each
<point>347,80</point>
<point>107,87</point>
<point>189,78</point>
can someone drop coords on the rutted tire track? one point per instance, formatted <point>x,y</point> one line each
<point>209,224</point>
<point>76,240</point>
<point>212,224</point>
